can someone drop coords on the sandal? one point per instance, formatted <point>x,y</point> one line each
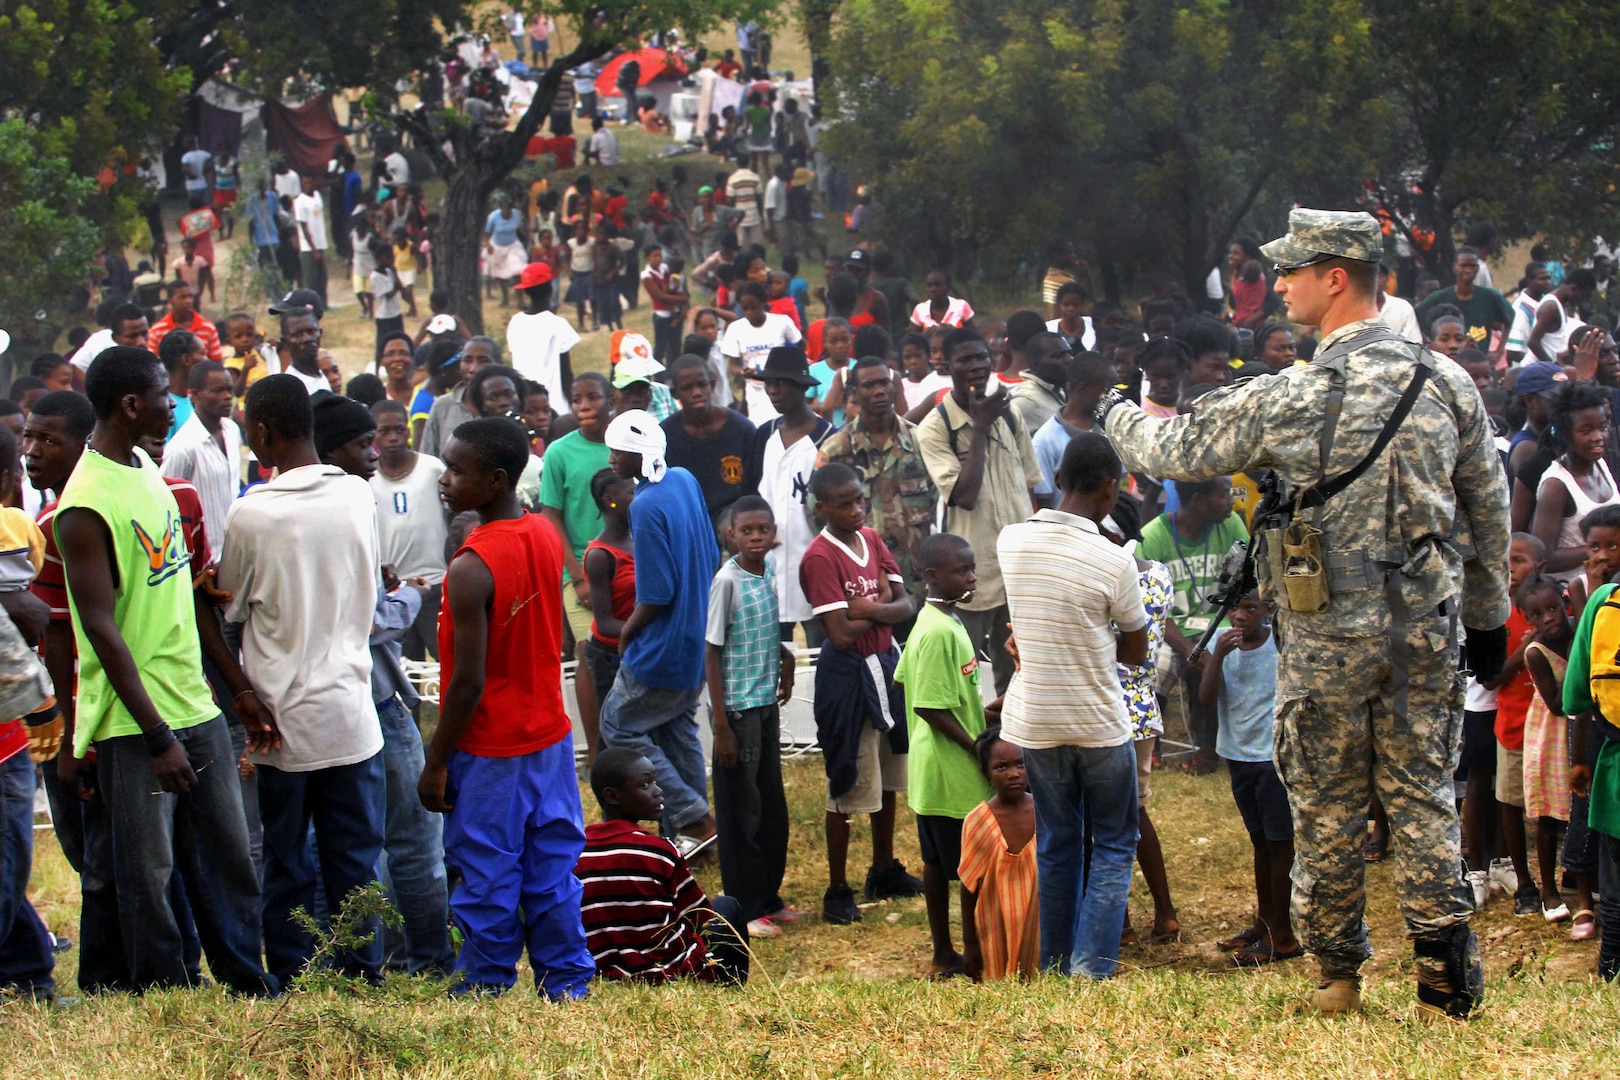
<point>1260,953</point>
<point>1555,915</point>
<point>1375,850</point>
<point>1193,767</point>
<point>1247,937</point>
<point>1584,927</point>
<point>1129,936</point>
<point>1167,936</point>
<point>955,971</point>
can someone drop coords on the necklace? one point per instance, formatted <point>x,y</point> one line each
<point>1181,558</point>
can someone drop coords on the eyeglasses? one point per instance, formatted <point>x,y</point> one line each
<point>1285,272</point>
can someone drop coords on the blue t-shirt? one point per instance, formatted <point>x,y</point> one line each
<point>353,189</point>
<point>1247,702</point>
<point>799,289</point>
<point>182,413</point>
<point>503,230</point>
<point>824,374</point>
<point>675,561</point>
<point>1050,442</point>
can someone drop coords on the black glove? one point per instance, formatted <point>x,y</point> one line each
<point>1111,397</point>
<point>1485,651</point>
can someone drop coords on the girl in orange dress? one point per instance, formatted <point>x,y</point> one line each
<point>1001,923</point>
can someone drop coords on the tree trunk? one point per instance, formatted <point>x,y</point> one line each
<point>461,235</point>
<point>481,165</point>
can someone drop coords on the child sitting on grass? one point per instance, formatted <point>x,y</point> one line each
<point>1546,746</point>
<point>749,670</point>
<point>645,918</point>
<point>939,672</point>
<point>1001,916</point>
<point>1240,679</point>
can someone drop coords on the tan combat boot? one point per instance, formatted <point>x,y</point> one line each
<point>1334,996</point>
<point>1450,974</point>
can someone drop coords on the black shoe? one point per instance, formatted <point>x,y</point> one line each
<point>838,906</point>
<point>1527,901</point>
<point>892,883</point>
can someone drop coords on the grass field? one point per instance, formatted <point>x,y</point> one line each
<point>850,1001</point>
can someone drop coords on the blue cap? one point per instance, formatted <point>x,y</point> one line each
<point>1539,377</point>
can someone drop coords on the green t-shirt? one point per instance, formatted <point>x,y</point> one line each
<point>1481,311</point>
<point>940,670</point>
<point>570,463</point>
<point>152,601</point>
<point>1194,565</point>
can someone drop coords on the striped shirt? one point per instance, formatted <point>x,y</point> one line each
<point>743,624</point>
<point>1066,692</point>
<point>205,330</point>
<point>641,908</point>
<point>216,472</point>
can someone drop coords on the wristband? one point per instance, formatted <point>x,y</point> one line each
<point>158,740</point>
<point>242,695</point>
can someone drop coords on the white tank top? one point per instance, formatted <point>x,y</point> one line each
<point>1556,341</point>
<point>1569,534</point>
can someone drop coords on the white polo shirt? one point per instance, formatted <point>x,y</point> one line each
<point>1068,588</point>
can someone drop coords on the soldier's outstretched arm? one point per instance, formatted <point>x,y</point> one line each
<point>1224,435</point>
<point>1482,499</point>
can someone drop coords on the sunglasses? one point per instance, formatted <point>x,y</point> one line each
<point>1286,272</point>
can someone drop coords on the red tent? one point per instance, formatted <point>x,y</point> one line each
<point>655,64</point>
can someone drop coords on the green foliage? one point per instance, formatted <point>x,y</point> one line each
<point>1512,115</point>
<point>88,80</point>
<point>50,245</point>
<point>1156,131</point>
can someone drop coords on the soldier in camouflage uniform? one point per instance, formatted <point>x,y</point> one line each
<point>1369,697</point>
<point>881,446</point>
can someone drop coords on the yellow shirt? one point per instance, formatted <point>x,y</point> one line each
<point>22,549</point>
<point>404,257</point>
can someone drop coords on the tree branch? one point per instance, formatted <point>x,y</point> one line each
<point>506,151</point>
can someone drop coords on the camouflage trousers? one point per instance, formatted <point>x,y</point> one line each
<point>1338,739</point>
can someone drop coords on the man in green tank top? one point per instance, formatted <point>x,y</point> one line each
<point>146,718</point>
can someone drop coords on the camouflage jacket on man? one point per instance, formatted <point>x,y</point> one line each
<point>901,497</point>
<point>1435,502</point>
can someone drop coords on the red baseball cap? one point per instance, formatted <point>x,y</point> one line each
<point>536,273</point>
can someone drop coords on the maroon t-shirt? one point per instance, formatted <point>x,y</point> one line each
<point>831,574</point>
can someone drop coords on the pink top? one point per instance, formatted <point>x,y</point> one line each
<point>957,313</point>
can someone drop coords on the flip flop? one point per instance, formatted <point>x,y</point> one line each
<point>1238,940</point>
<point>1260,953</point>
<point>1166,936</point>
<point>1373,851</point>
<point>1584,927</point>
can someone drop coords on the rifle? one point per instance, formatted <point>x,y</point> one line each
<point>1236,579</point>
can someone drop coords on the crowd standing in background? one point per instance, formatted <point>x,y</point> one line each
<point>228,567</point>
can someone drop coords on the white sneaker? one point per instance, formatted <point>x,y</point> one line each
<point>1479,881</point>
<point>1502,876</point>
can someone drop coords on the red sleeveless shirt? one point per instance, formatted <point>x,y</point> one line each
<point>521,710</point>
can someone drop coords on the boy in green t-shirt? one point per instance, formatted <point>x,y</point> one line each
<point>1191,541</point>
<point>944,714</point>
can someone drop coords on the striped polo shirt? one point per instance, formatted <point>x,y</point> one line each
<point>1068,589</point>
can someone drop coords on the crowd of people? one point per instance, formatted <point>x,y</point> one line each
<point>223,558</point>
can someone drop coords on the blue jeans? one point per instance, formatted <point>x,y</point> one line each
<point>661,726</point>
<point>515,832</point>
<point>414,843</point>
<point>1081,791</point>
<point>345,804</point>
<point>26,959</point>
<point>203,835</point>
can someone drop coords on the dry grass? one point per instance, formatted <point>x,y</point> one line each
<point>848,1001</point>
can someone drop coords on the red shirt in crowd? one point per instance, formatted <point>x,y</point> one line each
<point>831,574</point>
<point>521,709</point>
<point>1513,698</point>
<point>206,332</point>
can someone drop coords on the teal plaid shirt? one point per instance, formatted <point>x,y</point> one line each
<point>743,622</point>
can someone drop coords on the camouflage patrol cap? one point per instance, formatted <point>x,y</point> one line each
<point>1314,235</point>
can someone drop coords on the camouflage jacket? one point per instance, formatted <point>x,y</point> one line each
<point>1435,503</point>
<point>901,497</point>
